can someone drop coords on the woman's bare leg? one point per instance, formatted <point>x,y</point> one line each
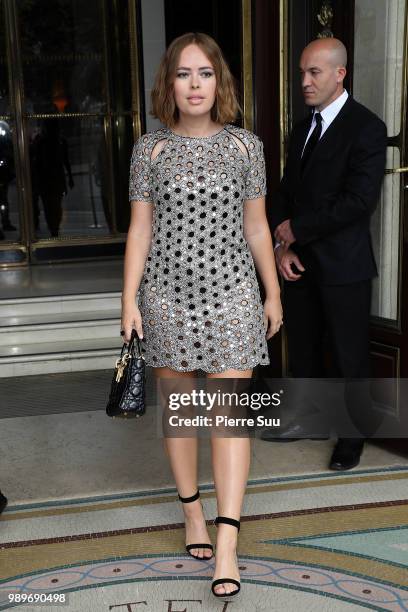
<point>182,453</point>
<point>230,460</point>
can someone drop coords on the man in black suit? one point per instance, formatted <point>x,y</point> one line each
<point>321,220</point>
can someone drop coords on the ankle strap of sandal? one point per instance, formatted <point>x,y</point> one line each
<point>228,521</point>
<point>187,500</point>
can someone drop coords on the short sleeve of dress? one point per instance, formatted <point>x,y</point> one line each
<point>255,185</point>
<point>140,178</point>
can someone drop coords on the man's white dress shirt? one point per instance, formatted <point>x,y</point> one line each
<point>328,115</point>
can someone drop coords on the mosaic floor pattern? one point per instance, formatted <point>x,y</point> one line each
<point>322,542</point>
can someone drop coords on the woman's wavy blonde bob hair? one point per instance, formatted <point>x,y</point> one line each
<point>164,108</point>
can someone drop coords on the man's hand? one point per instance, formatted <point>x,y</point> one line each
<point>284,260</point>
<point>284,234</point>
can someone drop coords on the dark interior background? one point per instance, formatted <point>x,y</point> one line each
<point>220,19</point>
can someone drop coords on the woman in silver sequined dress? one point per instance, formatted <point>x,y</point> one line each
<point>198,228</point>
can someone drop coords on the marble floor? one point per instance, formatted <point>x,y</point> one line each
<point>57,442</point>
<point>69,455</point>
<point>93,513</point>
<point>327,542</point>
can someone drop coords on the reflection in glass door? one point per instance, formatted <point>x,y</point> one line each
<point>379,83</point>
<point>76,102</point>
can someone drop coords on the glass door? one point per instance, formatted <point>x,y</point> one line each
<point>380,82</point>
<point>71,105</point>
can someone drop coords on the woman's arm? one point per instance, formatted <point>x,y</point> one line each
<point>258,236</point>
<point>137,249</point>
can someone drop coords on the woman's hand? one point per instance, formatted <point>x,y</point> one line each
<point>273,316</point>
<point>131,318</point>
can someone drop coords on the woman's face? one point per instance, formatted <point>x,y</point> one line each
<point>194,83</point>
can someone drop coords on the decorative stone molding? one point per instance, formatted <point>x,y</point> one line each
<point>325,18</point>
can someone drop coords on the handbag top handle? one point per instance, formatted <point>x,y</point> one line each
<point>134,336</point>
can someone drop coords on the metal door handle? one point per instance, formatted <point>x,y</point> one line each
<point>396,170</point>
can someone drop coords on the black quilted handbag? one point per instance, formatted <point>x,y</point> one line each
<point>128,388</point>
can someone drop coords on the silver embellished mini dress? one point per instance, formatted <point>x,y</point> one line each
<point>199,296</point>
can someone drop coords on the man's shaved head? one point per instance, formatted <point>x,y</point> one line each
<point>333,47</point>
<point>323,68</point>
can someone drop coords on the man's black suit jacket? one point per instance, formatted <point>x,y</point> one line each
<point>330,204</point>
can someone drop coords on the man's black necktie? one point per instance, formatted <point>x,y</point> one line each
<point>313,140</point>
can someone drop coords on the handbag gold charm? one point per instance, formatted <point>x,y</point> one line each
<point>121,364</point>
<point>127,395</point>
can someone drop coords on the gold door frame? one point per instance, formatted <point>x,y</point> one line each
<point>284,123</point>
<point>246,63</point>
<point>283,80</point>
<point>134,28</point>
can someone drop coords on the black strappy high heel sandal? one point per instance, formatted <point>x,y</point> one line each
<point>187,500</point>
<point>237,524</point>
